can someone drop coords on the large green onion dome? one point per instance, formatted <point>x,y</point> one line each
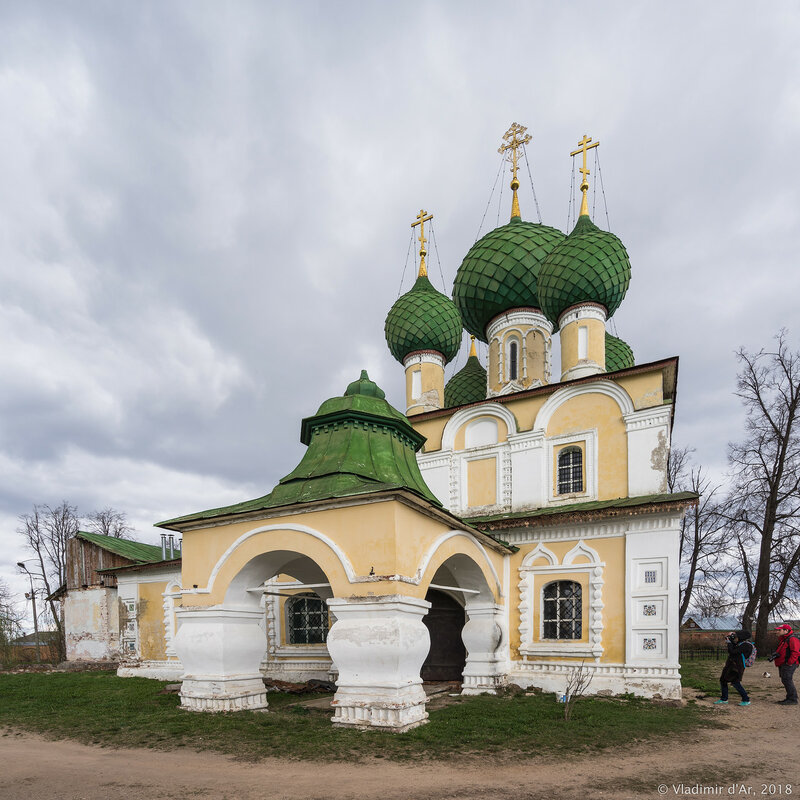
<point>618,354</point>
<point>423,319</point>
<point>589,266</point>
<point>500,272</point>
<point>468,385</point>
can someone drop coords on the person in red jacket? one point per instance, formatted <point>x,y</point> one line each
<point>786,659</point>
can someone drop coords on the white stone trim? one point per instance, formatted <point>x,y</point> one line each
<point>427,357</point>
<point>527,602</point>
<point>559,397</point>
<point>515,318</point>
<point>647,417</point>
<point>582,311</point>
<point>468,414</point>
<point>591,468</point>
<point>173,590</point>
<point>156,670</point>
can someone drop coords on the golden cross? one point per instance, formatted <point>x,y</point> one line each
<point>422,218</point>
<point>584,146</point>
<point>515,137</point>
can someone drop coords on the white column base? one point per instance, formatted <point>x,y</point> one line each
<point>379,644</point>
<point>221,651</point>
<point>486,669</point>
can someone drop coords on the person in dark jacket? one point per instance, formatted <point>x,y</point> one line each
<point>786,659</point>
<point>739,649</point>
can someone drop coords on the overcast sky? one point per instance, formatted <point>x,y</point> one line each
<point>205,211</point>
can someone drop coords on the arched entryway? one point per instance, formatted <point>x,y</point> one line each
<point>444,621</point>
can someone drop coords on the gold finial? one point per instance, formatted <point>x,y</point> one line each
<point>422,218</point>
<point>514,138</point>
<point>472,351</point>
<point>583,147</point>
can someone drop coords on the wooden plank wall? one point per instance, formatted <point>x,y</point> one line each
<point>83,561</point>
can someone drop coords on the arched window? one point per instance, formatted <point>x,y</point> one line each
<point>561,610</point>
<point>570,470</point>
<point>513,360</point>
<point>306,619</point>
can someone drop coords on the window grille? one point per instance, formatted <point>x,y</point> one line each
<point>306,619</point>
<point>570,470</point>
<point>561,613</point>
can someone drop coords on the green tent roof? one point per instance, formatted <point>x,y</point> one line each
<point>357,444</point>
<point>501,271</point>
<point>468,385</point>
<point>590,265</point>
<point>618,354</point>
<point>135,551</point>
<point>423,319</point>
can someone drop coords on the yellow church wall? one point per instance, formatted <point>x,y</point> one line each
<point>602,413</point>
<point>535,347</point>
<point>493,369</point>
<point>645,389</point>
<point>611,552</point>
<point>431,380</point>
<point>382,538</point>
<point>481,482</point>
<point>150,620</point>
<point>432,430</point>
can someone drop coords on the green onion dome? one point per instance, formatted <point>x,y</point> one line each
<point>618,354</point>
<point>589,266</point>
<point>500,272</point>
<point>468,385</point>
<point>423,319</point>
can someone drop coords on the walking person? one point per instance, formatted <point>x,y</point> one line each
<point>786,659</point>
<point>739,650</point>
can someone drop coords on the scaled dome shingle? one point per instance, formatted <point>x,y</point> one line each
<point>590,266</point>
<point>468,385</point>
<point>618,354</point>
<point>423,319</point>
<point>500,272</point>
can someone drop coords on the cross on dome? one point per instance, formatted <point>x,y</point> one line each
<point>584,147</point>
<point>422,218</point>
<point>515,137</point>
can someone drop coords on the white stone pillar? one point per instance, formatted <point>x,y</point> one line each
<point>483,635</point>
<point>379,645</point>
<point>221,651</point>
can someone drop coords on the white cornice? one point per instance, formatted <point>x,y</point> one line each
<point>647,417</point>
<point>517,317</point>
<point>424,357</point>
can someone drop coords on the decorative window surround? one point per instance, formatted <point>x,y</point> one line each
<point>593,648</point>
<point>591,467</point>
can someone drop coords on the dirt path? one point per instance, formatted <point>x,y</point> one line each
<point>760,746</point>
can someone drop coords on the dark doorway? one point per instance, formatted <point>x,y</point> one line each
<point>447,656</point>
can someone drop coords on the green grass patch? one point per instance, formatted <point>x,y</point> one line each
<point>702,675</point>
<point>100,708</point>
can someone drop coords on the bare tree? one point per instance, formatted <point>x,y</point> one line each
<point>109,522</point>
<point>703,539</point>
<point>10,623</point>
<point>764,504</point>
<point>46,532</point>
<point>578,680</point>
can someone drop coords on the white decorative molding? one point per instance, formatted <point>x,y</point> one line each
<point>468,414</point>
<point>515,319</point>
<point>647,417</point>
<point>591,468</point>
<point>528,602</point>
<point>583,311</point>
<point>561,396</point>
<point>172,591</point>
<point>424,357</point>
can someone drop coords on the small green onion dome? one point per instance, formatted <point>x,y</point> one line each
<point>589,266</point>
<point>468,385</point>
<point>618,354</point>
<point>423,319</point>
<point>500,272</point>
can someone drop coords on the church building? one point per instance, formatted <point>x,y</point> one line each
<point>507,526</point>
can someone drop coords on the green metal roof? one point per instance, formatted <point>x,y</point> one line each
<point>357,444</point>
<point>500,272</point>
<point>135,551</point>
<point>590,265</point>
<point>594,505</point>
<point>468,385</point>
<point>423,319</point>
<point>618,354</point>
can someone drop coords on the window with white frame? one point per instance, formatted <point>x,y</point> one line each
<point>562,616</point>
<point>570,470</point>
<point>306,619</point>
